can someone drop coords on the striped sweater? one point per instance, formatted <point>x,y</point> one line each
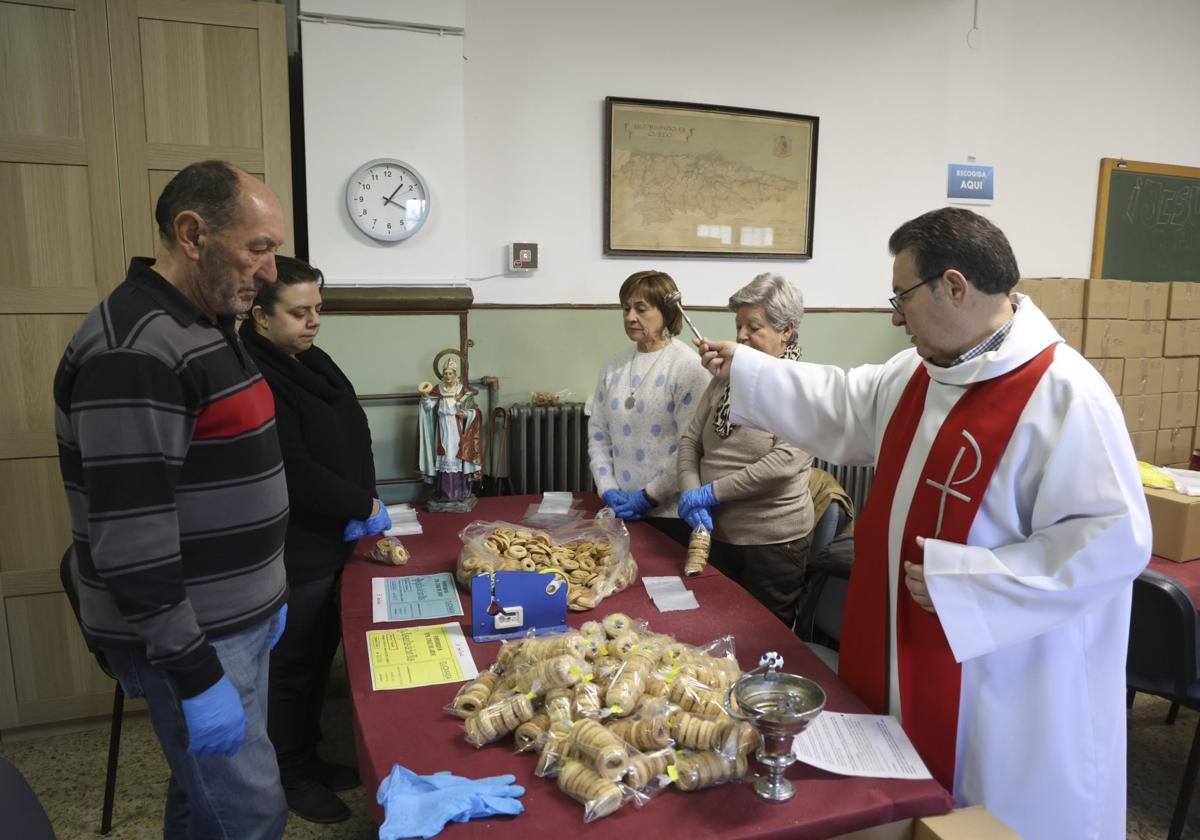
<point>174,479</point>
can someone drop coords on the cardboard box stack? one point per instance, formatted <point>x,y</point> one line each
<point>1144,338</point>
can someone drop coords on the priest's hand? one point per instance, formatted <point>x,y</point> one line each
<point>914,579</point>
<point>717,356</point>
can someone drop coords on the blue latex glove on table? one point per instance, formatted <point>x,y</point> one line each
<point>282,624</point>
<point>376,523</point>
<point>216,721</point>
<point>420,806</point>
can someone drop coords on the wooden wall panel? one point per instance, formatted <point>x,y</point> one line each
<point>30,349</point>
<point>40,65</point>
<point>104,100</point>
<point>211,94</point>
<point>34,517</point>
<point>50,659</point>
<point>45,227</point>
<point>194,81</point>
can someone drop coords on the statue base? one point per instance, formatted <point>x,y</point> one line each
<point>465,505</point>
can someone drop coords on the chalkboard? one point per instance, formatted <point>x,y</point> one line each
<point>1147,222</point>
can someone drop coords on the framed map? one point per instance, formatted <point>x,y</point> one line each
<point>708,181</point>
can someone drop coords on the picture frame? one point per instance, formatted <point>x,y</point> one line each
<point>688,180</point>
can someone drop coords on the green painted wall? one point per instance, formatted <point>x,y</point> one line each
<point>536,350</point>
<point>554,349</point>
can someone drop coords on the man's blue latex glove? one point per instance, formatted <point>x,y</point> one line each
<point>633,505</point>
<point>419,806</point>
<point>697,517</point>
<point>216,721</point>
<point>379,522</point>
<point>697,497</point>
<point>282,624</point>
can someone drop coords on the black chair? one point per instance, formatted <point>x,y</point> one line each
<point>819,614</point>
<point>1162,662</point>
<point>118,708</point>
<point>21,814</point>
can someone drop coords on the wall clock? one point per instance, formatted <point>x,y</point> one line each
<point>387,199</point>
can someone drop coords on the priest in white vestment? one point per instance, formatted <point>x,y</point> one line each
<point>1033,466</point>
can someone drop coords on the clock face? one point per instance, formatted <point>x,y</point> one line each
<point>387,199</point>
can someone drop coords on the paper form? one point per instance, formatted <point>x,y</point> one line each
<point>414,596</point>
<point>859,745</point>
<point>414,656</point>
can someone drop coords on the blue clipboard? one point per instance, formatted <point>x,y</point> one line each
<point>509,604</point>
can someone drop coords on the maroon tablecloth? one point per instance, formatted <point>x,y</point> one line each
<point>1186,575</point>
<point>411,727</point>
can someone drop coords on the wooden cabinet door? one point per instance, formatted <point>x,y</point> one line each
<point>102,104</point>
<point>195,81</point>
<point>60,252</point>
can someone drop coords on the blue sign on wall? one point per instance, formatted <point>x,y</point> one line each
<point>970,183</point>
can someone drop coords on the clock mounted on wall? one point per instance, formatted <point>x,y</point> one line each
<point>387,199</point>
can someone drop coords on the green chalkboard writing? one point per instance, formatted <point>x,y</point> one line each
<point>1147,222</point>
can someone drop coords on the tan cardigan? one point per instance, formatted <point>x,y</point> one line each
<point>760,481</point>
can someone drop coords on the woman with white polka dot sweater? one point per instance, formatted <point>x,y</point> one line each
<point>644,401</point>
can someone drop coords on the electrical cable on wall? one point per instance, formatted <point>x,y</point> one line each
<point>975,33</point>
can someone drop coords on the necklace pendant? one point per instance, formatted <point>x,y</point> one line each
<point>629,402</point>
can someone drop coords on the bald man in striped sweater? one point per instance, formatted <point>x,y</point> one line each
<point>175,483</point>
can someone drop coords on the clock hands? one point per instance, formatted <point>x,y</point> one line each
<point>388,200</point>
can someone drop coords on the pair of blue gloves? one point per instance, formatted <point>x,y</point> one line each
<point>695,506</point>
<point>216,721</point>
<point>420,806</point>
<point>627,505</point>
<point>376,523</point>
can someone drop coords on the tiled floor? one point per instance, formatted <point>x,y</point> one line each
<point>67,773</point>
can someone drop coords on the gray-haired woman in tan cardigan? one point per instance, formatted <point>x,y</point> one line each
<point>749,487</point>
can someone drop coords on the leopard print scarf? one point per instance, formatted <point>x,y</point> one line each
<point>721,418</point>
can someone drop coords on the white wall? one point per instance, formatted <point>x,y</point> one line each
<point>1054,86</point>
<point>372,93</point>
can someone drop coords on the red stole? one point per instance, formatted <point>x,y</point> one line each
<point>950,489</point>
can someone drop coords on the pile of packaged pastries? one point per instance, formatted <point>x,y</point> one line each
<point>616,713</point>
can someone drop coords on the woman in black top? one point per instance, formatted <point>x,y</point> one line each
<point>331,480</point>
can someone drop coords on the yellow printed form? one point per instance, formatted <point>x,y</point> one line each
<point>415,656</point>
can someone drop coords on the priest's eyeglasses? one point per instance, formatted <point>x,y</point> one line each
<point>896,299</point>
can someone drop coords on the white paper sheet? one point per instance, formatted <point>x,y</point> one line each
<point>404,521</point>
<point>669,594</point>
<point>859,745</point>
<point>556,503</point>
<point>414,596</point>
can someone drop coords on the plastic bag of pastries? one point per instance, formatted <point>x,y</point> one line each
<point>698,769</point>
<point>592,554</point>
<point>389,550</point>
<point>494,721</point>
<point>599,796</point>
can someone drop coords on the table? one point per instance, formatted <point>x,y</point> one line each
<point>1187,575</point>
<point>411,726</point>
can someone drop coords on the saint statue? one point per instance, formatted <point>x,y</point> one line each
<point>451,455</point>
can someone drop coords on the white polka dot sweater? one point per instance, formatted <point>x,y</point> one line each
<point>642,405</point>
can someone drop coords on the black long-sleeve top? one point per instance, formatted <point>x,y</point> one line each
<point>327,456</point>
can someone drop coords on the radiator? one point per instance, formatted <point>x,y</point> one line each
<point>547,448</point>
<point>855,480</point>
